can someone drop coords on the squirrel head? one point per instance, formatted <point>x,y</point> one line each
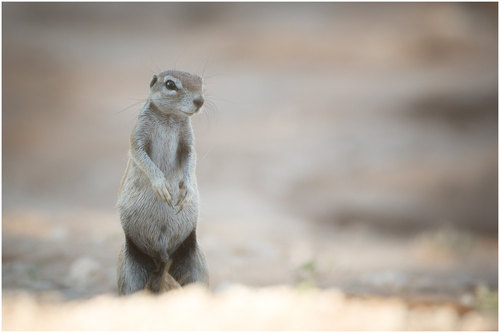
<point>176,92</point>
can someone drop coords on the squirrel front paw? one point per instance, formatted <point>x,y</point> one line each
<point>185,195</point>
<point>162,189</point>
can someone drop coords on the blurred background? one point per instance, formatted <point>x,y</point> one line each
<point>344,145</point>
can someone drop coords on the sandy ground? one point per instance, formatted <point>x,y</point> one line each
<point>347,163</point>
<point>271,308</point>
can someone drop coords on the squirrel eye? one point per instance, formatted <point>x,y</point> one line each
<point>170,85</point>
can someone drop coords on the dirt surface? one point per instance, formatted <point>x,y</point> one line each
<point>270,308</point>
<point>347,163</point>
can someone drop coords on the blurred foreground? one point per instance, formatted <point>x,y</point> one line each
<point>346,146</point>
<point>272,308</point>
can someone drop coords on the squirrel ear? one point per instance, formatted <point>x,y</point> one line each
<point>153,81</point>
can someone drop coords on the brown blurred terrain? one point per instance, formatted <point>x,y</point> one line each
<point>348,153</point>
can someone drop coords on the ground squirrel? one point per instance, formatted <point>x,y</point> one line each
<point>158,197</point>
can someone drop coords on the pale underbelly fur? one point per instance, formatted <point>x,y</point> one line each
<point>149,221</point>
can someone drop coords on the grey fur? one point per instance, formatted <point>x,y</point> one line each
<point>158,198</point>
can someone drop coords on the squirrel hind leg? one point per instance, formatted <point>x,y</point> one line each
<point>189,264</point>
<point>134,269</point>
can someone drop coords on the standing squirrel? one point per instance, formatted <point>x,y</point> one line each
<point>158,196</point>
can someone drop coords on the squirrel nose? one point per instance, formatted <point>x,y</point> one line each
<point>198,101</point>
